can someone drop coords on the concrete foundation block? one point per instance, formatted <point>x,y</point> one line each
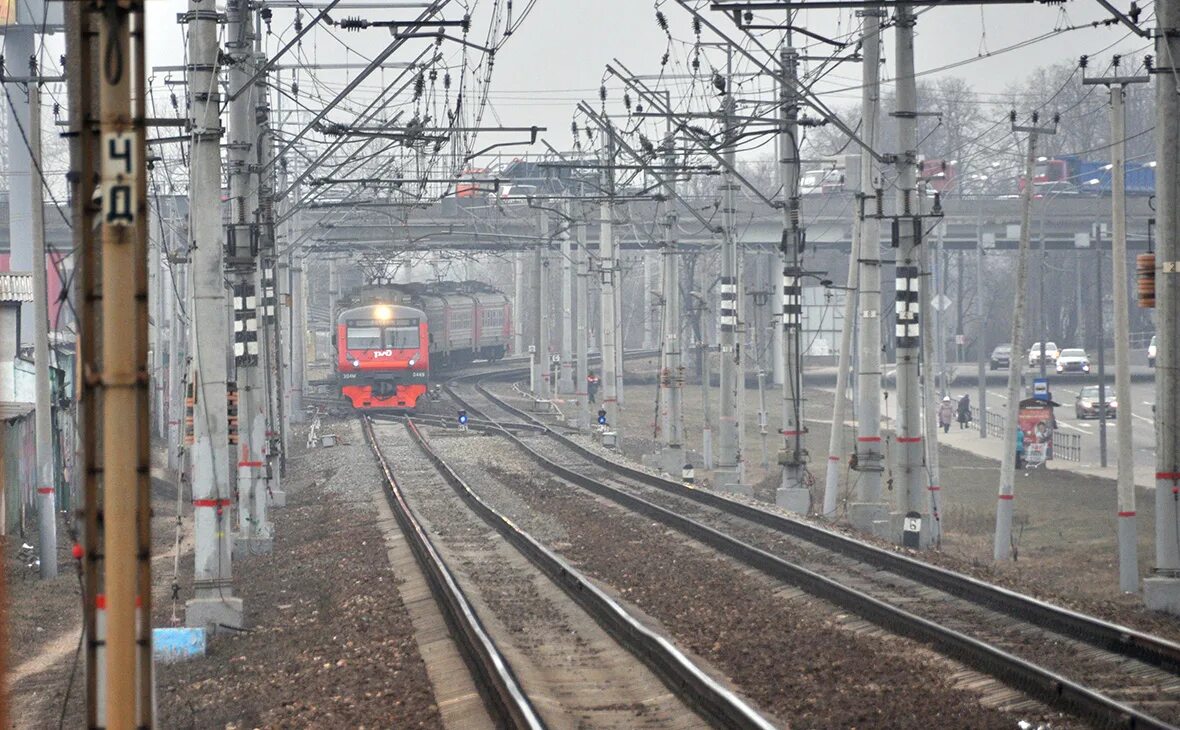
<point>244,547</point>
<point>730,480</point>
<point>214,613</point>
<point>672,461</point>
<point>1162,593</point>
<point>278,498</point>
<point>870,517</point>
<point>793,499</point>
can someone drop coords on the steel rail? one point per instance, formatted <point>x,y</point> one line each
<point>1038,682</point>
<point>502,694</point>
<point>688,681</point>
<point>1116,638</point>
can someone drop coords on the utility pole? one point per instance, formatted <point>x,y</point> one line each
<point>541,310</point>
<point>125,397</point>
<point>672,373</point>
<point>46,490</point>
<point>1005,507</point>
<point>213,603</point>
<point>836,438</point>
<point>792,493</point>
<point>82,81</point>
<point>517,301</point>
<point>728,473</point>
<point>1128,539</point>
<point>930,399</point>
<point>245,254</point>
<point>20,45</point>
<point>1099,255</point>
<point>582,303</point>
<point>910,470</point>
<point>608,263</point>
<point>648,305</point>
<point>178,355</point>
<point>868,512</point>
<point>1161,591</point>
<point>938,281</point>
<point>981,328</point>
<point>565,383</point>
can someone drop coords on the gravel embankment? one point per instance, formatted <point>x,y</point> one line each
<point>797,657</point>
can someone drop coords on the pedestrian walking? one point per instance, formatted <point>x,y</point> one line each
<point>964,411</point>
<point>946,413</point>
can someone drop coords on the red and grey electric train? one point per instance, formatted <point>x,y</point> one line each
<point>390,341</point>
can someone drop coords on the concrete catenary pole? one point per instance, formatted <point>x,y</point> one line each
<point>930,401</point>
<point>1128,542</point>
<point>981,352</point>
<point>18,45</point>
<point>649,327</point>
<point>541,310</point>
<point>178,366</point>
<point>46,491</point>
<point>1004,508</point>
<point>609,268</point>
<point>867,508</point>
<point>909,470</point>
<point>249,342</point>
<point>213,602</point>
<point>672,375</point>
<point>728,470</point>
<point>1161,591</point>
<point>582,305</point>
<point>792,493</point>
<point>565,383</point>
<point>836,438</point>
<point>518,304</point>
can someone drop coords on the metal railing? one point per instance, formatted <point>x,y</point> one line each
<point>1067,446</point>
<point>995,423</point>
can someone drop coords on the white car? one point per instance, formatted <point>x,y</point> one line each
<point>1072,360</point>
<point>1034,353</point>
<point>1151,353</point>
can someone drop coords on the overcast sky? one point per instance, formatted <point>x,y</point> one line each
<point>558,55</point>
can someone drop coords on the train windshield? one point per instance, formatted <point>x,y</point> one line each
<point>364,338</point>
<point>401,338</point>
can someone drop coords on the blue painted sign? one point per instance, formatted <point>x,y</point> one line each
<point>1041,389</point>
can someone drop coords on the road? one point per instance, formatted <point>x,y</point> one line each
<point>1142,422</point>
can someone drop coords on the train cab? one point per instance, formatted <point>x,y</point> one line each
<point>382,356</point>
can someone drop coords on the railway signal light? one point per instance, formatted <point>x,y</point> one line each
<point>601,416</point>
<point>462,418</point>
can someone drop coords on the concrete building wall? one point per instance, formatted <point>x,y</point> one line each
<point>18,466</point>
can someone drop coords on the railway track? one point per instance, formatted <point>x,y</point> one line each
<point>549,648</point>
<point>1110,674</point>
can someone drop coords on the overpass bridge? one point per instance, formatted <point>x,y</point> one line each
<point>487,225</point>
<point>480,225</point>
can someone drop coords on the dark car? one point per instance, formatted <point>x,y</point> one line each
<point>1001,357</point>
<point>1087,405</point>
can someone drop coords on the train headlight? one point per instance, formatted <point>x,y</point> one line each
<point>383,312</point>
<point>356,363</point>
<point>412,361</point>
